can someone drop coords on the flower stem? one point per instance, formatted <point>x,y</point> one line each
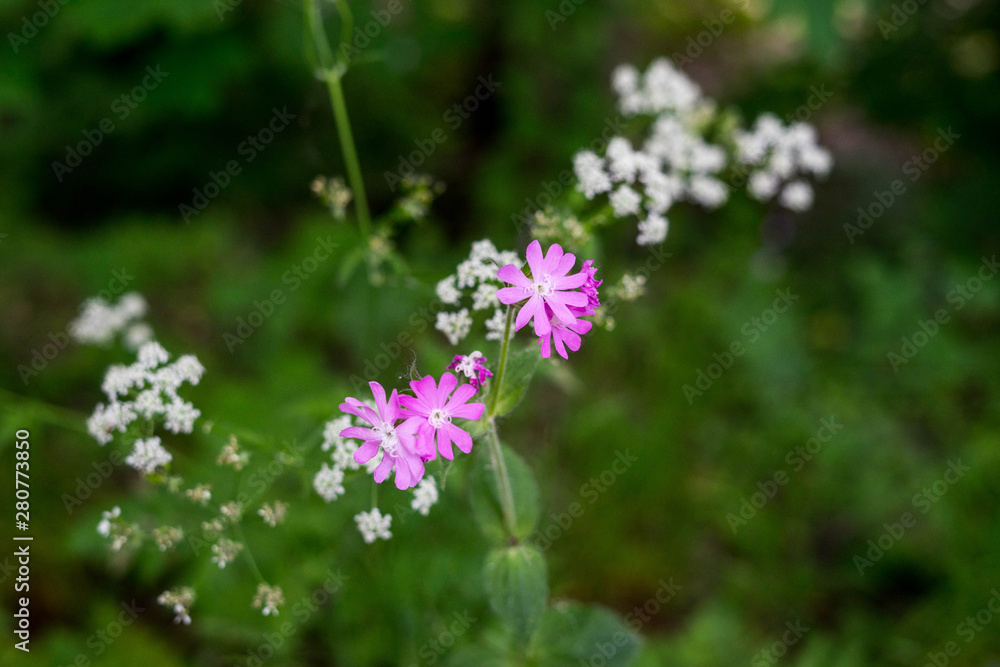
<point>504,350</point>
<point>349,151</point>
<point>496,451</point>
<point>503,481</point>
<point>331,69</point>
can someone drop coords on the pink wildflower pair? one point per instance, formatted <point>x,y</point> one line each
<point>426,427</point>
<point>556,300</point>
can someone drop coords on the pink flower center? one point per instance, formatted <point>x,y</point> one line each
<point>437,418</point>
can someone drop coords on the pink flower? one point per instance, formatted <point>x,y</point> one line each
<point>564,335</point>
<point>398,443</point>
<point>472,366</point>
<point>435,407</point>
<point>590,287</point>
<point>548,286</point>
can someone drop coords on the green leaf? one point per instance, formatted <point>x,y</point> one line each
<point>517,586</point>
<point>571,634</point>
<point>485,495</point>
<point>521,365</point>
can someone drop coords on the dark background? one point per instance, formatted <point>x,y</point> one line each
<point>892,92</point>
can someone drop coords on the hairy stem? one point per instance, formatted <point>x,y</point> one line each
<point>496,452</point>
<point>503,481</point>
<point>504,350</point>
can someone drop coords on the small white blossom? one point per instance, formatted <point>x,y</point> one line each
<point>447,292</point>
<point>589,170</point>
<point>104,526</point>
<point>155,387</point>
<point>425,495</point>
<point>180,601</point>
<point>652,230</point>
<point>167,536</point>
<point>100,321</point>
<point>373,525</point>
<point>225,551</point>
<point>329,483</point>
<point>455,326</point>
<point>200,494</point>
<point>232,455</point>
<point>273,514</point>
<point>709,192</point>
<point>268,599</point>
<point>797,196</point>
<point>485,297</point>
<point>496,325</point>
<point>625,201</point>
<point>148,455</point>
<point>232,511</point>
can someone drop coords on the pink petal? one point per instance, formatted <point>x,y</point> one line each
<point>444,443</point>
<point>546,345</point>
<point>448,384</point>
<point>560,348</point>
<point>509,295</point>
<point>462,439</point>
<point>552,259</point>
<point>461,395</point>
<point>379,393</point>
<point>366,451</point>
<point>359,432</point>
<point>471,411</point>
<point>535,260</point>
<point>513,275</point>
<point>573,298</point>
<point>414,405</point>
<point>569,282</point>
<point>383,470</point>
<point>534,307</point>
<point>565,264</point>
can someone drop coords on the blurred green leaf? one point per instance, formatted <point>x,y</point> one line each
<point>517,586</point>
<point>571,634</point>
<point>521,365</point>
<point>485,495</point>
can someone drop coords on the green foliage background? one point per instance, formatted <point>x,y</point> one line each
<point>665,517</point>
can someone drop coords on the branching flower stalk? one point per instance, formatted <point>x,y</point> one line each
<point>331,69</point>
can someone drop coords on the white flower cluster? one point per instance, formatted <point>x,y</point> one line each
<point>476,278</point>
<point>100,321</point>
<point>113,528</point>
<point>779,155</point>
<point>273,514</point>
<point>148,455</point>
<point>225,551</point>
<point>373,525</point>
<point>676,163</point>
<point>200,494</point>
<point>232,455</point>
<point>425,495</point>
<point>268,599</point>
<point>180,601</point>
<point>329,481</point>
<point>154,385</point>
<point>168,536</point>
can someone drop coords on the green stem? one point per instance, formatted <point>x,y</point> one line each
<point>496,451</point>
<point>349,151</point>
<point>503,481</point>
<point>504,350</point>
<point>331,69</point>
